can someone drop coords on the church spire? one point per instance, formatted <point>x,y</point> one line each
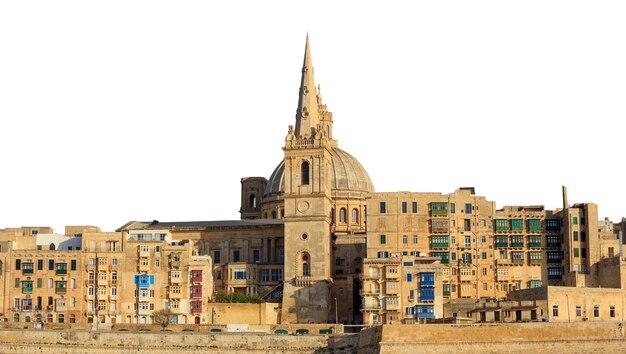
<point>307,115</point>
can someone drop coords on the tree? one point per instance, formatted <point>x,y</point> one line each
<point>163,318</point>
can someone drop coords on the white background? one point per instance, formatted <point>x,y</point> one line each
<point>113,111</point>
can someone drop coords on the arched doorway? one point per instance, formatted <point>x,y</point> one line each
<point>27,319</point>
<point>196,320</point>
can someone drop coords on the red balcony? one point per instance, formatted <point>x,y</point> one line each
<point>196,307</point>
<point>196,278</point>
<point>196,291</point>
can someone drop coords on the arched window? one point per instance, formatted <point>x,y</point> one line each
<point>73,318</point>
<point>50,318</point>
<point>342,215</point>
<point>305,173</point>
<point>253,201</point>
<point>52,247</point>
<point>61,318</point>
<point>355,216</point>
<point>273,214</point>
<point>305,265</point>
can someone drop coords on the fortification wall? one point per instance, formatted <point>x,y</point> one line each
<point>504,338</point>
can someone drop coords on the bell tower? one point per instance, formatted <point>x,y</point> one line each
<point>308,204</point>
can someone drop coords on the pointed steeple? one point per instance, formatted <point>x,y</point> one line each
<point>307,115</point>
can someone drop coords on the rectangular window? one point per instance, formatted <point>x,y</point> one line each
<point>555,311</point>
<point>575,235</point>
<point>575,220</point>
<point>40,264</point>
<point>236,256</point>
<point>17,282</point>
<point>484,271</point>
<point>468,208</point>
<point>583,236</point>
<point>404,208</point>
<point>467,224</point>
<point>583,252</point>
<point>277,274</point>
<point>576,252</point>
<point>383,239</point>
<point>484,255</point>
<point>51,264</point>
<point>454,257</point>
<point>612,311</point>
<point>414,207</point>
<point>582,220</point>
<point>452,208</point>
<point>18,264</point>
<point>240,274</point>
<point>383,254</point>
<point>409,277</point>
<point>596,311</point>
<point>383,207</point>
<point>414,239</point>
<point>217,257</point>
<point>405,239</point>
<point>73,264</point>
<point>265,275</point>
<point>256,255</point>
<point>39,283</point>
<point>579,311</point>
<point>468,241</point>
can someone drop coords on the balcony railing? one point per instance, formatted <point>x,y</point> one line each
<point>535,261</point>
<point>27,271</point>
<point>60,290</point>
<point>304,280</point>
<point>196,279</point>
<point>532,244</point>
<point>366,276</point>
<point>27,289</point>
<point>371,307</point>
<point>196,294</point>
<point>502,244</point>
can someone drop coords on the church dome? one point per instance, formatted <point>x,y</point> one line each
<point>347,175</point>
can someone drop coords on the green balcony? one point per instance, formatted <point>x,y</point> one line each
<point>502,224</point>
<point>533,244</point>
<point>434,245</point>
<point>503,244</point>
<point>438,209</point>
<point>534,225</point>
<point>517,225</point>
<point>27,289</point>
<point>517,244</point>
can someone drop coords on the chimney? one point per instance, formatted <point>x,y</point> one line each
<point>565,203</point>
